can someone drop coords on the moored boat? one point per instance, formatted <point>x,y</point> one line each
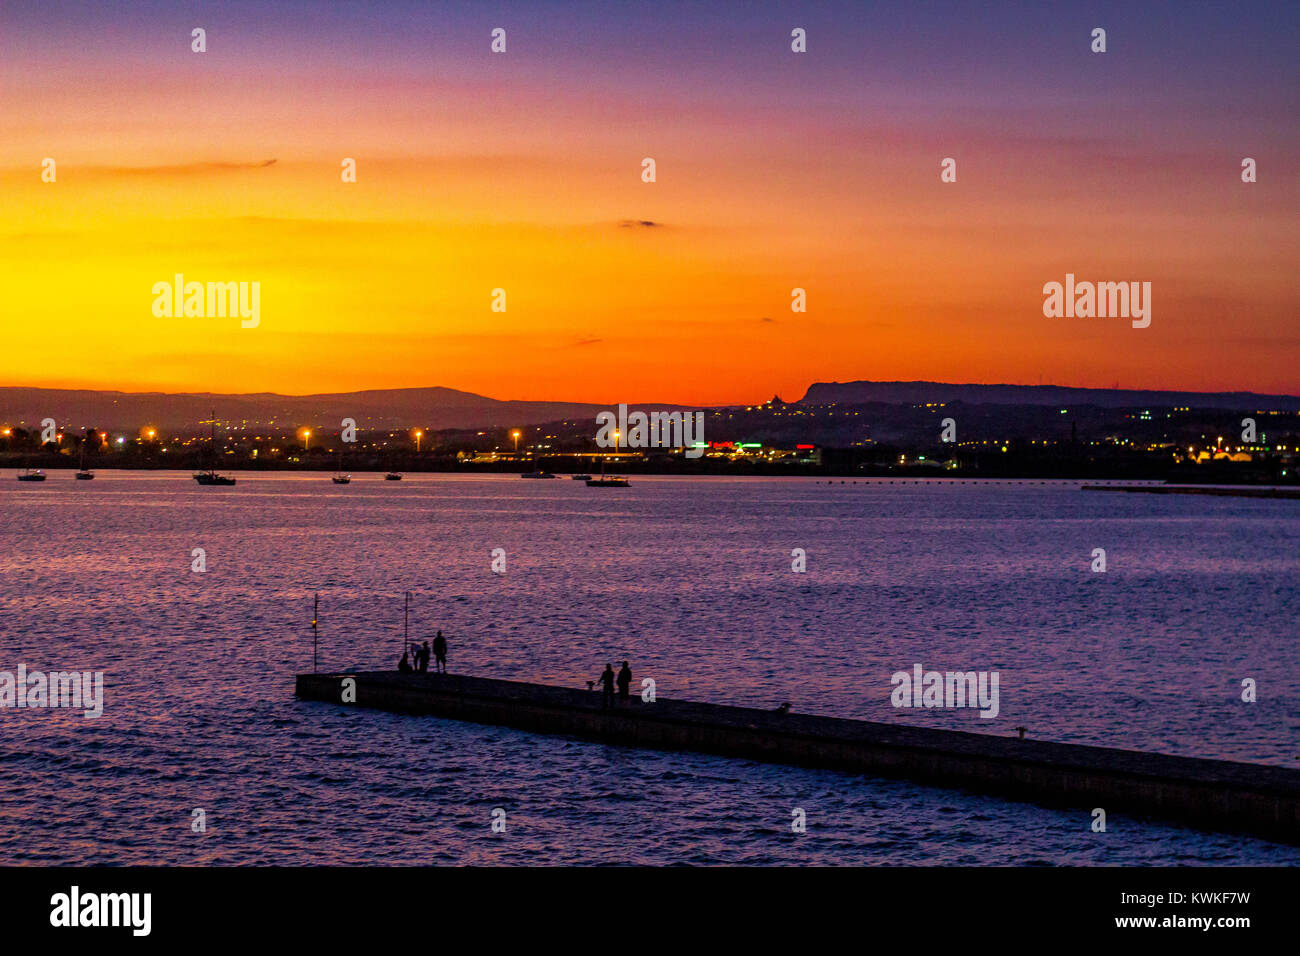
<point>606,481</point>
<point>210,477</point>
<point>340,478</point>
<point>83,473</point>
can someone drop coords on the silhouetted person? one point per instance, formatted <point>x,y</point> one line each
<point>624,682</point>
<point>440,652</point>
<point>424,658</point>
<point>606,681</point>
<point>404,665</point>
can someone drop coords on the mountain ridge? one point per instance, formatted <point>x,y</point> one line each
<point>432,407</point>
<point>920,392</point>
<point>438,407</point>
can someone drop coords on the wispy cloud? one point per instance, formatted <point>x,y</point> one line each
<point>177,169</point>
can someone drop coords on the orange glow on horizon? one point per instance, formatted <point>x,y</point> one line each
<point>678,291</point>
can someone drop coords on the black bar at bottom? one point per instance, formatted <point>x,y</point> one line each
<point>660,908</point>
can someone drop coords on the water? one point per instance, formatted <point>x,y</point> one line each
<point>690,580</point>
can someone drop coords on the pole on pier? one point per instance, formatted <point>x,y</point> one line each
<point>315,608</point>
<point>406,624</point>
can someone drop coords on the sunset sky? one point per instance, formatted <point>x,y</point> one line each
<point>522,171</point>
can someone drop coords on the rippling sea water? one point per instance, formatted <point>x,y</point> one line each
<point>690,580</point>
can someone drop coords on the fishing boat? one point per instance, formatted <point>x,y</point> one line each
<point>392,476</point>
<point>580,477</point>
<point>210,477</point>
<point>537,474</point>
<point>29,475</point>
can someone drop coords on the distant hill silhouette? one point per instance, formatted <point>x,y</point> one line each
<point>447,408</point>
<point>397,408</point>
<point>908,393</point>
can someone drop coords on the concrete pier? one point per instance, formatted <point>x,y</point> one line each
<point>1211,794</point>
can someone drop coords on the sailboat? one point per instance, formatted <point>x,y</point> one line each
<point>210,477</point>
<point>612,481</point>
<point>340,478</point>
<point>83,473</point>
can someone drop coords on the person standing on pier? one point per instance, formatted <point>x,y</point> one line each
<point>607,687</point>
<point>404,665</point>
<point>423,664</point>
<point>624,682</point>
<point>440,653</point>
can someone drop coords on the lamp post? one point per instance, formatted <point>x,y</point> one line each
<point>406,625</point>
<point>306,438</point>
<point>418,435</point>
<point>515,435</point>
<point>315,616</point>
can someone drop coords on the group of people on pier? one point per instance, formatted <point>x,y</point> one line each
<point>415,660</point>
<point>608,679</point>
<point>419,653</point>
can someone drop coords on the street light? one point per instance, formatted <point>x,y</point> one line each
<point>418,435</point>
<point>306,438</point>
<point>515,435</point>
